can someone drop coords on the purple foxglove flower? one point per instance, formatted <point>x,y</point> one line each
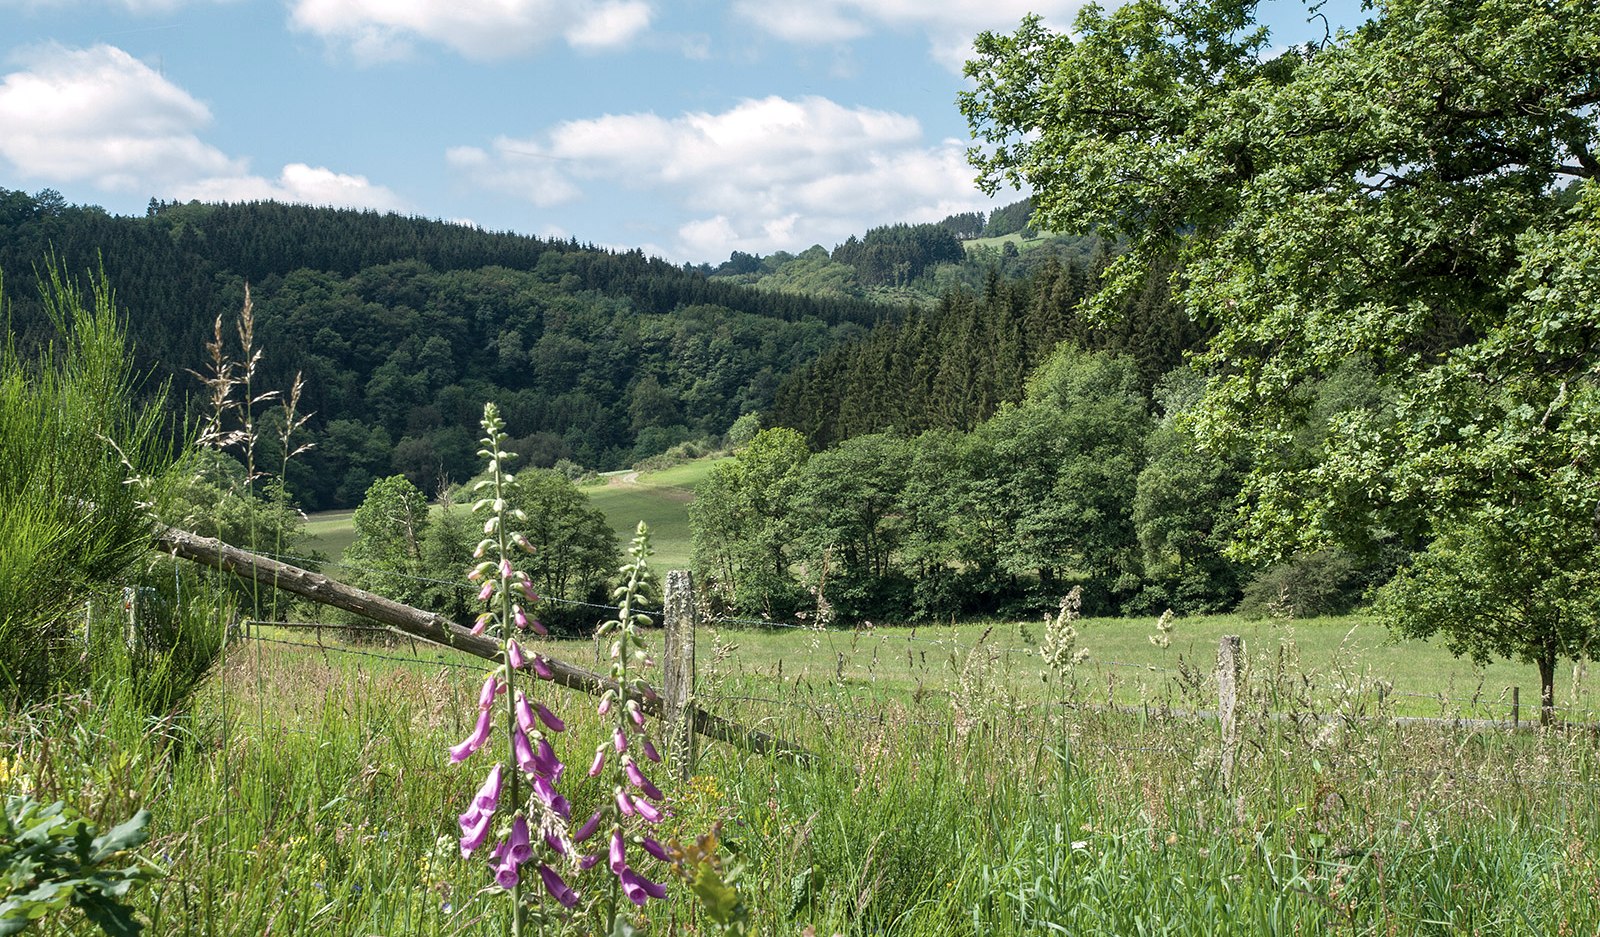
<point>474,829</point>
<point>505,875</point>
<point>589,826</point>
<point>554,842</point>
<point>647,810</point>
<point>589,861</point>
<point>527,590</point>
<point>599,762</point>
<point>538,627</point>
<point>486,591</point>
<point>632,888</point>
<point>491,686</point>
<point>619,858</point>
<point>520,618</point>
<point>556,887</point>
<point>488,796</point>
<point>624,803</point>
<point>546,762</point>
<point>631,877</point>
<point>549,718</point>
<point>620,740</point>
<point>541,668</point>
<point>480,624</point>
<point>604,707</point>
<point>642,782</point>
<point>505,568</point>
<point>655,849</point>
<point>636,715</point>
<point>473,742</point>
<point>514,652</point>
<point>650,750</point>
<point>519,849</point>
<point>547,795</point>
<point>524,713</point>
<point>522,751</point>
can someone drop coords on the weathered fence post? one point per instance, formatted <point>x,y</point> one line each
<point>1230,663</point>
<point>677,671</point>
<point>1516,706</point>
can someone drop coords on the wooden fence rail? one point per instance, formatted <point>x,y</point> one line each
<point>440,630</point>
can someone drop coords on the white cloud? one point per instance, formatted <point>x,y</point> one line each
<point>949,25</point>
<point>308,185</point>
<point>137,7</point>
<point>764,175</point>
<point>377,30</point>
<point>100,116</point>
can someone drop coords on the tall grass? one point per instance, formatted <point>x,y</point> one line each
<point>74,445</point>
<point>969,815</point>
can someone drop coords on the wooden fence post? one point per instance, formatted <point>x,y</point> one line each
<point>677,671</point>
<point>1516,706</point>
<point>1230,663</point>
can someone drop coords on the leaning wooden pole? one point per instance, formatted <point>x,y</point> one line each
<point>436,629</point>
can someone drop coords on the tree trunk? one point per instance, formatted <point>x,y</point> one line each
<point>1547,688</point>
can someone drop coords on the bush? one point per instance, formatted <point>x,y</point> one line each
<point>74,519</point>
<point>1327,582</point>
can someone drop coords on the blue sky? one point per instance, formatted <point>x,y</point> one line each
<point>688,128</point>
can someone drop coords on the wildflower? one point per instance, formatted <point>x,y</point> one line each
<point>599,762</point>
<point>541,668</point>
<point>640,781</point>
<point>518,616</point>
<point>619,739</point>
<point>549,718</point>
<point>519,849</point>
<point>473,742</point>
<point>491,688</point>
<point>650,750</point>
<point>655,849</point>
<point>638,888</point>
<point>524,713</point>
<point>475,822</point>
<point>522,751</point>
<point>618,854</point>
<point>556,887</point>
<point>589,826</point>
<point>514,651</point>
<point>486,591</point>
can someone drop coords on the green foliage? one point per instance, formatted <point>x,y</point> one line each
<point>51,858</point>
<point>743,536</point>
<point>1384,203</point>
<point>391,526</point>
<point>78,454</point>
<point>574,548</point>
<point>402,325</point>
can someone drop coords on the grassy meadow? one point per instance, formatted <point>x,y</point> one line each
<point>961,786</point>
<point>306,791</point>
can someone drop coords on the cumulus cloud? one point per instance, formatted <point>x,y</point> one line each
<point>309,185</point>
<point>766,174</point>
<point>378,30</point>
<point>948,24</point>
<point>100,116</point>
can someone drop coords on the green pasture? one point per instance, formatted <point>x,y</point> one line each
<point>306,790</point>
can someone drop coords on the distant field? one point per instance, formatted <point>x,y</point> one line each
<point>331,532</point>
<point>660,499</point>
<point>1013,238</point>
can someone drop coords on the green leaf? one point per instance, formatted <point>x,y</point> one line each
<point>126,835</point>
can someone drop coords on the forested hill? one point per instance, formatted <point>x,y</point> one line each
<point>403,327</point>
<point>952,365</point>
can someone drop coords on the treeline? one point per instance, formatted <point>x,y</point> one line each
<point>1085,481</point>
<point>952,366</point>
<point>402,327</point>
